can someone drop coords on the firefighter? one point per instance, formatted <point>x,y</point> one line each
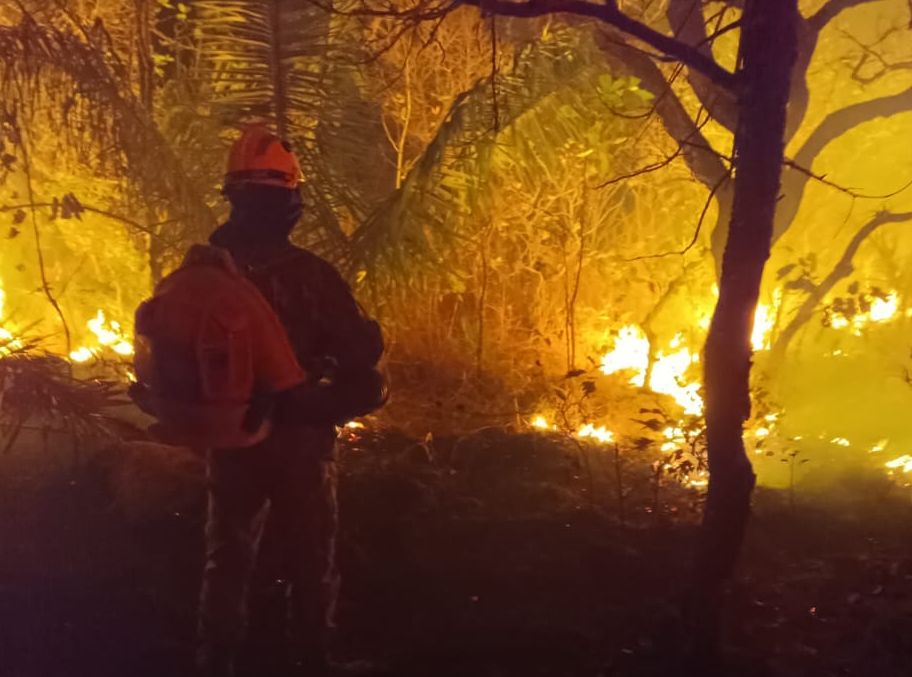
<point>272,517</point>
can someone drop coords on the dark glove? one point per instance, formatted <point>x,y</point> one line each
<point>347,396</point>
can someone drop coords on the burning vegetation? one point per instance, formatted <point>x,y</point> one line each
<point>538,212</point>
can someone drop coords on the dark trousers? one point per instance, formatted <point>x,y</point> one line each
<point>276,499</point>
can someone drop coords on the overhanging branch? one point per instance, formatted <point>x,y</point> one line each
<point>610,14</point>
<point>843,268</point>
<point>833,126</point>
<point>831,10</point>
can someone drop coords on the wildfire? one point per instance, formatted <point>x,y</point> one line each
<point>599,434</point>
<point>541,423</point>
<point>631,352</point>
<point>904,462</point>
<point>109,334</point>
<point>764,322</point>
<point>669,370</point>
<point>8,341</point>
<point>674,438</point>
<point>587,431</point>
<point>880,310</point>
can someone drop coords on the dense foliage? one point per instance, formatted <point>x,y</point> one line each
<point>507,196</point>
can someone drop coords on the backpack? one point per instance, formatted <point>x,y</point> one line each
<point>209,355</point>
<point>352,384</point>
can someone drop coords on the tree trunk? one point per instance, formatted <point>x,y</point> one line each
<point>768,52</point>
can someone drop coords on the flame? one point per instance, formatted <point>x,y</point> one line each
<point>884,309</point>
<point>600,433</point>
<point>8,340</point>
<point>81,354</point>
<point>764,321</point>
<point>587,431</point>
<point>904,462</point>
<point>674,439</point>
<point>108,335</point>
<point>668,377</point>
<point>631,353</point>
<point>541,423</point>
<point>881,310</point>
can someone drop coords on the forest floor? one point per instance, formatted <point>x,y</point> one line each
<point>498,555</point>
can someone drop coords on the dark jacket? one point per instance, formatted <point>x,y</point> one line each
<point>324,322</point>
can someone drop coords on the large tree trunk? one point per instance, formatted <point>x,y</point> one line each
<point>768,52</point>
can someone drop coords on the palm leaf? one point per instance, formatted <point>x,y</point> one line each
<point>291,63</point>
<point>83,88</point>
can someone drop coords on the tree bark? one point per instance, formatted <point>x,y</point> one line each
<point>768,53</point>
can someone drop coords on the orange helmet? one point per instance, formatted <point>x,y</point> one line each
<point>261,157</point>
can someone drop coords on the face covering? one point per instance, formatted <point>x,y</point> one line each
<point>260,215</point>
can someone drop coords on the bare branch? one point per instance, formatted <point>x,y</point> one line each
<point>833,126</point>
<point>689,26</point>
<point>821,178</point>
<point>697,230</point>
<point>843,268</point>
<point>610,14</point>
<point>658,164</point>
<point>148,230</point>
<point>701,159</point>
<point>870,55</point>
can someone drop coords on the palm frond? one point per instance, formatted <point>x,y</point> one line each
<point>81,86</point>
<point>292,63</point>
<point>38,387</point>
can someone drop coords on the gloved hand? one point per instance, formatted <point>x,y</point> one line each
<point>347,396</point>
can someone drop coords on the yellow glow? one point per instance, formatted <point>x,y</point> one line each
<point>541,423</point>
<point>600,434</point>
<point>841,441</point>
<point>879,446</point>
<point>764,321</point>
<point>884,309</point>
<point>108,334</point>
<point>82,354</point>
<point>631,353</point>
<point>760,433</point>
<point>123,348</point>
<point>881,310</point>
<point>668,377</point>
<point>104,335</point>
<point>354,425</point>
<point>8,340</point>
<point>904,462</point>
